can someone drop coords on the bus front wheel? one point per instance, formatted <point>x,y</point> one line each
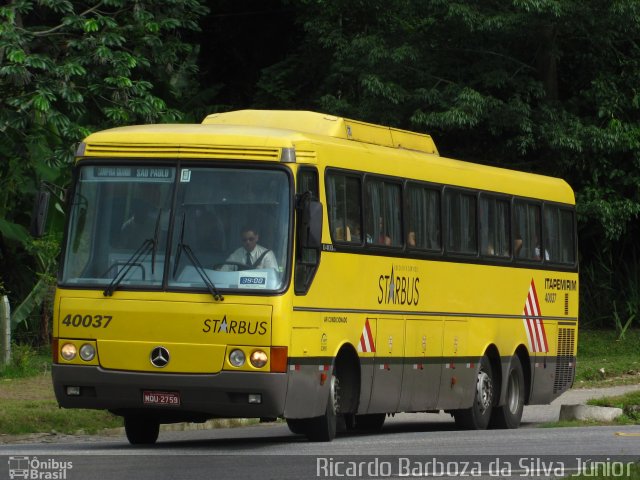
<point>297,425</point>
<point>510,414</point>
<point>141,431</point>
<point>370,423</point>
<point>478,415</point>
<point>323,429</point>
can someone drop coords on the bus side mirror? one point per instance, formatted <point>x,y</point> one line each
<point>40,212</point>
<point>310,224</point>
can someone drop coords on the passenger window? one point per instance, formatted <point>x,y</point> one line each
<point>461,230</point>
<point>384,220</point>
<point>559,237</point>
<point>494,227</point>
<point>343,204</point>
<point>527,238</point>
<point>423,218</point>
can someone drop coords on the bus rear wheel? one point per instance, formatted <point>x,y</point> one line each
<point>478,415</point>
<point>510,414</point>
<point>141,431</point>
<point>323,429</point>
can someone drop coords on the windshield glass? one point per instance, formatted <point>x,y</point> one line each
<point>229,225</point>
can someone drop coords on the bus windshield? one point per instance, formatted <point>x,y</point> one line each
<point>166,228</point>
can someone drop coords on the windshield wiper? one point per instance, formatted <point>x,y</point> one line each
<point>133,261</point>
<point>196,264</point>
<point>154,248</point>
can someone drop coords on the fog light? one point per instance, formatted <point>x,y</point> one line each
<point>73,391</point>
<point>87,352</point>
<point>255,398</point>
<point>258,358</point>
<point>68,351</point>
<point>237,358</point>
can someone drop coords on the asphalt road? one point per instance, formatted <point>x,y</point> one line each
<point>410,445</point>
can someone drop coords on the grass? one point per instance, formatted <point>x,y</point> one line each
<point>629,403</point>
<point>605,361</point>
<point>26,362</point>
<point>27,403</point>
<point>20,417</point>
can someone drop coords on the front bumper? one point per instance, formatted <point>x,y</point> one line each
<point>224,394</point>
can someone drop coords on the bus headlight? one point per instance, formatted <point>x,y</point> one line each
<point>68,351</point>
<point>237,358</point>
<point>258,358</point>
<point>87,352</point>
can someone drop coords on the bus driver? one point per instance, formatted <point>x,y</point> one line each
<point>252,254</point>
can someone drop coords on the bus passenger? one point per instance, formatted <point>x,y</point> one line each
<point>517,245</point>
<point>411,238</point>
<point>382,238</point>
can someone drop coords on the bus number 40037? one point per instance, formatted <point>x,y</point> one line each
<point>95,321</point>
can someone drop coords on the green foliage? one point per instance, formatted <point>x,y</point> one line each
<point>548,86</point>
<point>603,358</point>
<point>25,362</point>
<point>66,69</point>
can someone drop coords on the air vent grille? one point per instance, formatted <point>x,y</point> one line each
<point>565,366</point>
<point>183,151</point>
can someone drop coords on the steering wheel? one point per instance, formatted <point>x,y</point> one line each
<point>239,266</point>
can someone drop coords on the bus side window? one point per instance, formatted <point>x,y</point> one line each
<point>494,227</point>
<point>384,213</point>
<point>461,218</point>
<point>423,218</point>
<point>343,205</point>
<point>559,240</point>
<point>527,222</point>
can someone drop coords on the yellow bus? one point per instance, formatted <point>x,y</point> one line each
<point>296,265</point>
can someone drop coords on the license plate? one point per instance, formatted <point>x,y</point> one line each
<point>167,399</point>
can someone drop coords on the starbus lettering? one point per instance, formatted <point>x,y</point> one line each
<point>234,326</point>
<point>398,289</point>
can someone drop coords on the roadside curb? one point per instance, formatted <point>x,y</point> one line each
<point>589,412</point>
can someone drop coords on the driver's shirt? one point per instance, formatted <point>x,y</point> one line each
<point>268,261</point>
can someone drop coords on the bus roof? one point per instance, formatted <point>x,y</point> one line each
<point>326,125</point>
<point>263,135</point>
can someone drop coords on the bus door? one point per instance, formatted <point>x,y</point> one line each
<point>387,365</point>
<point>422,366</point>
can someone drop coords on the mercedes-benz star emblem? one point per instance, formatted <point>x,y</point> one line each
<point>159,357</point>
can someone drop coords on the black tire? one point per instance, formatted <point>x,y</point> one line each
<point>370,423</point>
<point>323,429</point>
<point>510,414</point>
<point>297,425</point>
<point>478,415</point>
<point>141,431</point>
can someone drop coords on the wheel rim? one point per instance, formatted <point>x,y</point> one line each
<point>484,392</point>
<point>513,390</point>
<point>333,397</point>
